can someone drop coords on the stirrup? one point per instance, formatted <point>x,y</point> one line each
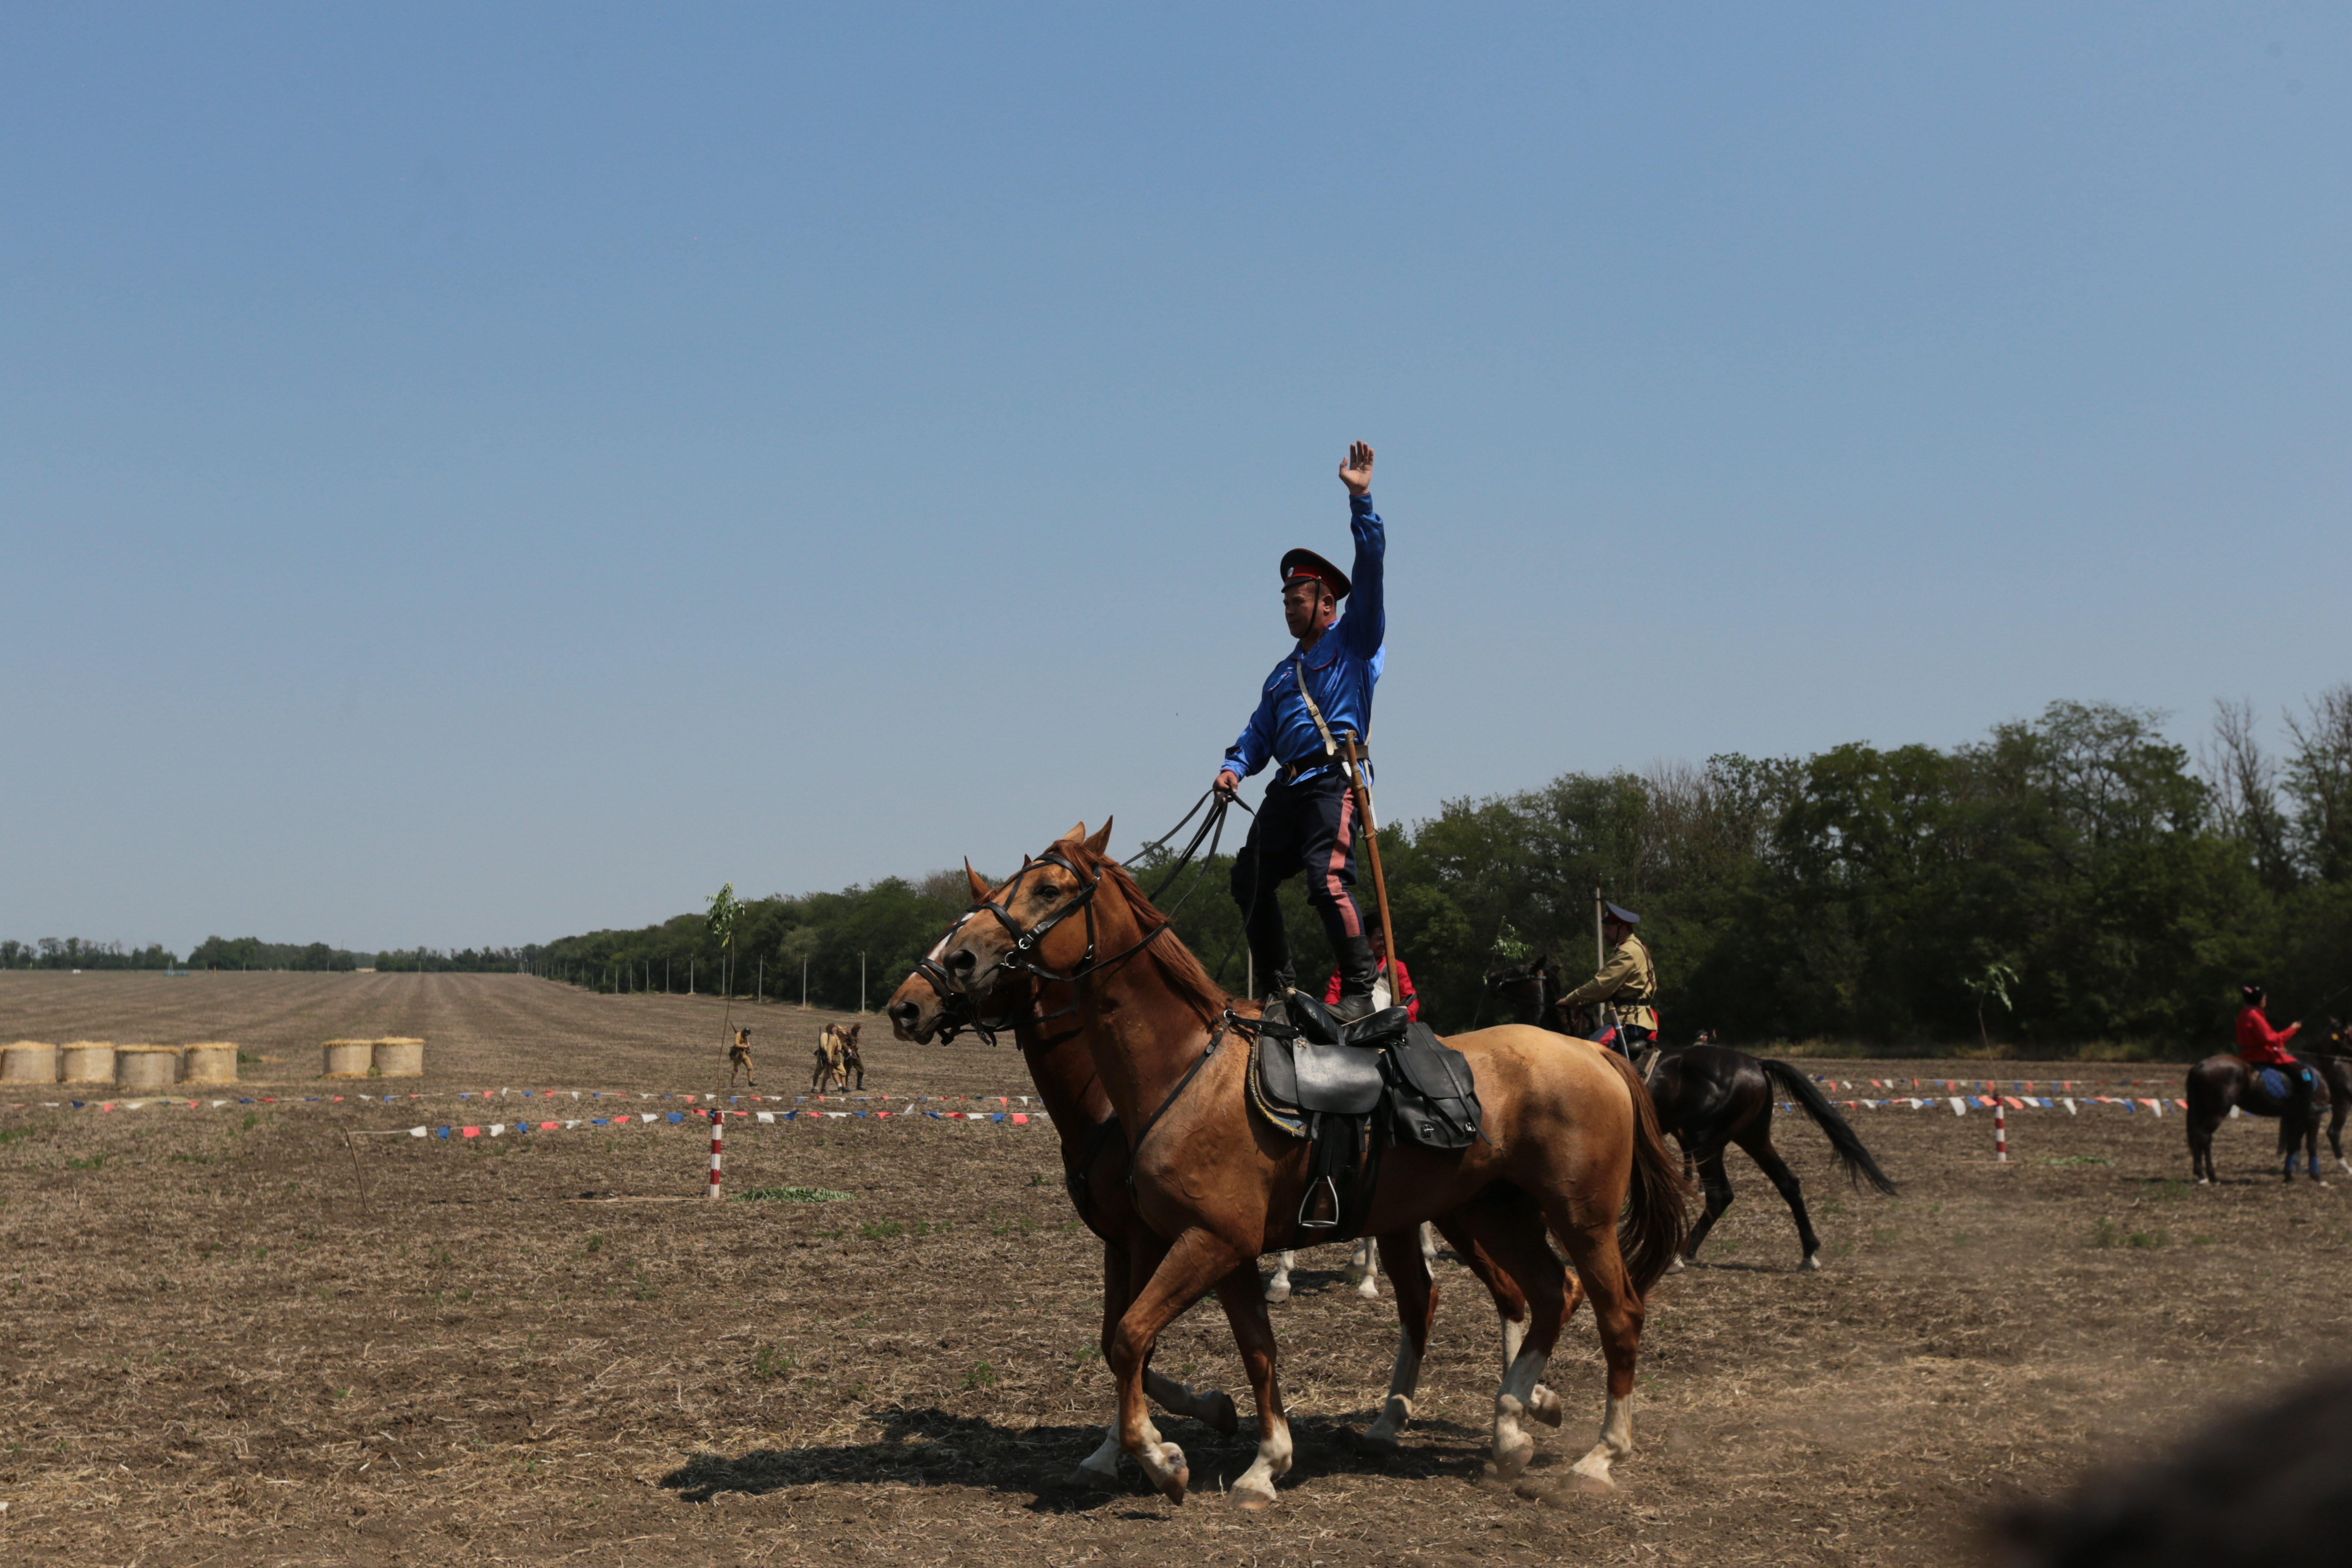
<point>1320,1187</point>
<point>1353,1007</point>
<point>1274,1008</point>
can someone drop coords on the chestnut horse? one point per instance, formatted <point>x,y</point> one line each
<point>1568,1138</point>
<point>1094,1170</point>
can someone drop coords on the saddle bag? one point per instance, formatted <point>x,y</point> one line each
<point>1436,1098</point>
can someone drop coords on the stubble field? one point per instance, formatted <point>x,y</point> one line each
<point>235,1336</point>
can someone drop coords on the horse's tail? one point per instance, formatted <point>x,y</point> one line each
<point>1650,1231</point>
<point>1851,1155</point>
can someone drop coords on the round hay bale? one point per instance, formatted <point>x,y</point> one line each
<point>397,1056</point>
<point>146,1067</point>
<point>209,1061</point>
<point>349,1059</point>
<point>87,1061</point>
<point>28,1061</point>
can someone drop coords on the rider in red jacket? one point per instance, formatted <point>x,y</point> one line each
<point>2259,1047</point>
<point>2258,1043</point>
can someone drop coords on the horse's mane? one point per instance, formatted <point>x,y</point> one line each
<point>1184,972</point>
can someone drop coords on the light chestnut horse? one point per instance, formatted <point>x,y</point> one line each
<point>1094,1171</point>
<point>1569,1136</point>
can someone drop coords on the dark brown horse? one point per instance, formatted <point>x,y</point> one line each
<point>1711,1097</point>
<point>1094,1170</point>
<point>2224,1081</point>
<point>1568,1143</point>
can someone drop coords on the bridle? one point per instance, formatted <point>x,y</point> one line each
<point>1022,957</point>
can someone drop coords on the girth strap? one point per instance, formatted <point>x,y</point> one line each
<point>1135,1149</point>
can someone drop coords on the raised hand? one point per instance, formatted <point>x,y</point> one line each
<point>1355,473</point>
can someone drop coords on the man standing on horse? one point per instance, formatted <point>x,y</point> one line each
<point>1627,981</point>
<point>1307,820</point>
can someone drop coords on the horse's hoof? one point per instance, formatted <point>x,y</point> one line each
<point>1370,1290</point>
<point>1251,1497</point>
<point>1373,1445</point>
<point>1277,1292</point>
<point>1589,1483</point>
<point>1678,1264</point>
<point>1811,1265</point>
<point>1222,1418</point>
<point>1171,1472</point>
<point>1544,1405</point>
<point>1510,1462</point>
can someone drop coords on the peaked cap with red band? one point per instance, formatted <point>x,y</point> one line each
<point>1304,564</point>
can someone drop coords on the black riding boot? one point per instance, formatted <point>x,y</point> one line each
<point>1357,972</point>
<point>1274,1003</point>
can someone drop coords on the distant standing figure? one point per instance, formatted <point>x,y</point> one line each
<point>837,1059</point>
<point>851,1062</point>
<point>739,1060</point>
<point>826,1073</point>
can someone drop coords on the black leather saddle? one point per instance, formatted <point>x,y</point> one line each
<point>1350,1089</point>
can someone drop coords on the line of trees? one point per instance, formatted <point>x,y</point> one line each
<point>2076,880</point>
<point>74,953</point>
<point>252,952</point>
<point>464,960</point>
<point>891,923</point>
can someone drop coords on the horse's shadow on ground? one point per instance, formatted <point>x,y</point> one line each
<point>933,1447</point>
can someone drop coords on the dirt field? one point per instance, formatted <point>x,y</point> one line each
<point>217,1351</point>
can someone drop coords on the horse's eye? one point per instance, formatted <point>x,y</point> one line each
<point>1046,893</point>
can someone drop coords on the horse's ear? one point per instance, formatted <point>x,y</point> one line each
<point>1074,836</point>
<point>979,887</point>
<point>1100,841</point>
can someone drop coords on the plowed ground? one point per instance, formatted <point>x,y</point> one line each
<point>232,1336</point>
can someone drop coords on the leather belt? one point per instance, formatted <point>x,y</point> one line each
<point>1288,772</point>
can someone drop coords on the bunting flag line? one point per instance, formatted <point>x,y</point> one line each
<point>184,1102</point>
<point>1960,1103</point>
<point>657,1119</point>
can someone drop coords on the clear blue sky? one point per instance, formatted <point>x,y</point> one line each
<point>469,474</point>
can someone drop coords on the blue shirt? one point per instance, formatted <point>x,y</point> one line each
<point>1342,669</point>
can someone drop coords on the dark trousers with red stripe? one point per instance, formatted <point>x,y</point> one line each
<point>1307,826</point>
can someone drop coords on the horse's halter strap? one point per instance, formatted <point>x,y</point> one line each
<point>1022,958</point>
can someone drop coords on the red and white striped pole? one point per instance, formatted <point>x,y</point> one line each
<point>2000,1141</point>
<point>715,1142</point>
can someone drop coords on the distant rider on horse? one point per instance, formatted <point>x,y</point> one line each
<point>1627,981</point>
<point>2259,1047</point>
<point>1307,820</point>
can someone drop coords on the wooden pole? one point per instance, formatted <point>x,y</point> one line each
<point>1372,844</point>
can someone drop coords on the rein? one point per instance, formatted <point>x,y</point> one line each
<point>1022,959</point>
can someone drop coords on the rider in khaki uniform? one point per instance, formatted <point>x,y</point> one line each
<point>1627,982</point>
